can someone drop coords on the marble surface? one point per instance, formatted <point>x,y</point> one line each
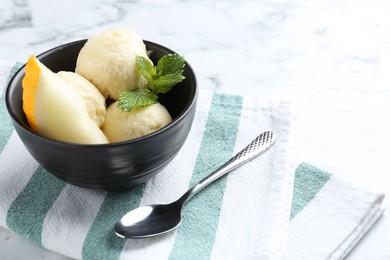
<point>331,57</point>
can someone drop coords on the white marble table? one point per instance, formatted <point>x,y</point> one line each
<point>332,57</point>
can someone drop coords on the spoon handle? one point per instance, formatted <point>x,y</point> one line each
<point>258,146</point>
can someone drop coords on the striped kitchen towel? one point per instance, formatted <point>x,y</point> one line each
<point>259,211</point>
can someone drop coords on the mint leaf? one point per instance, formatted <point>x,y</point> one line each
<point>165,83</point>
<point>170,64</point>
<point>169,72</point>
<point>146,68</point>
<point>131,99</point>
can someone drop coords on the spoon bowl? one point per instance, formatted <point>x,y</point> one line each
<point>153,220</point>
<point>148,221</point>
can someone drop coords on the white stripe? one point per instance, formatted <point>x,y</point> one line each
<point>256,207</point>
<point>169,185</point>
<point>76,209</point>
<point>332,221</point>
<point>17,167</point>
<point>372,216</point>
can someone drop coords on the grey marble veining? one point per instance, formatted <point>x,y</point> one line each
<point>331,57</point>
<point>15,15</point>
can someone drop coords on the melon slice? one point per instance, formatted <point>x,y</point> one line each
<point>54,109</point>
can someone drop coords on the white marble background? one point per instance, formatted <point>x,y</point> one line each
<point>331,56</point>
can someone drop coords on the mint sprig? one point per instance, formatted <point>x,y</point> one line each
<point>161,78</point>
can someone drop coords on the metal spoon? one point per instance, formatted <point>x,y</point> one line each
<point>153,220</point>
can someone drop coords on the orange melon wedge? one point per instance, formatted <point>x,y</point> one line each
<point>30,84</point>
<point>54,109</point>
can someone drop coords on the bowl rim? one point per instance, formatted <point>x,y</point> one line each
<point>179,118</point>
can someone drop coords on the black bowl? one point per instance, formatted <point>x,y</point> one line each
<point>115,166</point>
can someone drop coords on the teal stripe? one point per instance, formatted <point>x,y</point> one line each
<point>101,241</point>
<point>195,237</point>
<point>6,127</point>
<point>27,212</point>
<point>309,180</point>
